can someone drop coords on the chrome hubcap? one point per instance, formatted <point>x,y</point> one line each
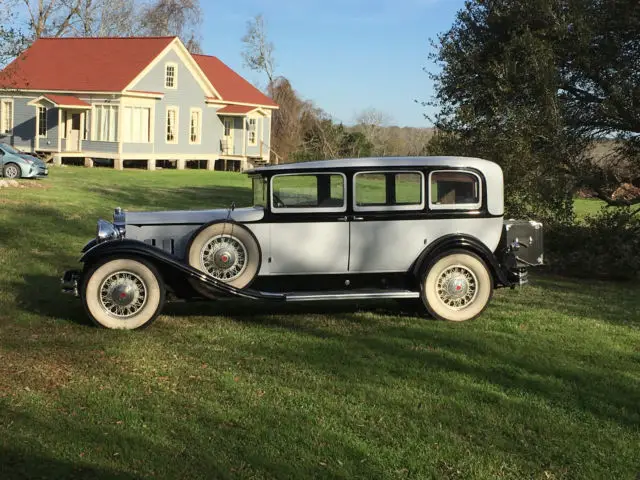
<point>224,257</point>
<point>123,294</point>
<point>457,287</point>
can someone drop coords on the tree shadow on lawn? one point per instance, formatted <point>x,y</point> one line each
<point>188,442</point>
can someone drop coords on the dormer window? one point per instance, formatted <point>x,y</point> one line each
<point>171,75</point>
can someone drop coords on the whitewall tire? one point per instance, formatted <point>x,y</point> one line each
<point>457,286</point>
<point>226,251</point>
<point>123,294</point>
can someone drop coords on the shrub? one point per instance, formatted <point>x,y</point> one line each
<point>605,245</point>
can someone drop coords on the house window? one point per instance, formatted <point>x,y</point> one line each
<point>195,126</point>
<point>253,131</point>
<point>7,116</point>
<point>171,75</point>
<point>136,125</point>
<point>42,120</point>
<point>398,190</point>
<point>85,127</point>
<point>105,123</point>
<point>228,125</point>
<point>454,190</point>
<point>172,125</point>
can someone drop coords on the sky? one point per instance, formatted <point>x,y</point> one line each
<point>344,55</point>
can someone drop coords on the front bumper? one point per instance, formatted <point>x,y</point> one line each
<point>70,281</point>
<point>35,171</point>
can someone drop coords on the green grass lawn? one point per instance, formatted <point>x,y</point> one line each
<point>587,206</point>
<point>545,385</point>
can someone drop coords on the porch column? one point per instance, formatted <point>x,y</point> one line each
<point>151,164</point>
<point>211,164</point>
<point>118,164</point>
<point>180,164</point>
<point>88,162</point>
<point>57,160</point>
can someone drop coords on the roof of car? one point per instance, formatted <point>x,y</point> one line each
<point>377,162</point>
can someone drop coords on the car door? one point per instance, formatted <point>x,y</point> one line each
<point>309,231</point>
<point>388,228</point>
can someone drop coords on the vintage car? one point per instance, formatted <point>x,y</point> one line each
<point>426,230</point>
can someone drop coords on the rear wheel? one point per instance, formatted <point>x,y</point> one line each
<point>11,170</point>
<point>123,294</point>
<point>457,286</point>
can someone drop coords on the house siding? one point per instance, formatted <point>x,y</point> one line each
<point>237,135</point>
<point>24,124</point>
<point>50,142</point>
<point>101,147</point>
<point>188,95</point>
<point>137,148</point>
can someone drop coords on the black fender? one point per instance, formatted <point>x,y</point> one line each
<point>464,242</point>
<point>168,263</point>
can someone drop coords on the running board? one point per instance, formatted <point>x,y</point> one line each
<point>341,295</point>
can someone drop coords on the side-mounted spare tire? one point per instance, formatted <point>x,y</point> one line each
<point>226,251</point>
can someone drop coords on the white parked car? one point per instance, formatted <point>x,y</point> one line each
<point>425,229</point>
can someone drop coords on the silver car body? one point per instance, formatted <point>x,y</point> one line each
<point>339,247</point>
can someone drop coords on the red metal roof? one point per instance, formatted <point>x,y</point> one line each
<point>109,64</point>
<point>231,86</point>
<point>82,64</point>
<point>66,100</point>
<point>236,109</point>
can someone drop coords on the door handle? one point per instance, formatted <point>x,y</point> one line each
<point>358,219</point>
<point>342,219</point>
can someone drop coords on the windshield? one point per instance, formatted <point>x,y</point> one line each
<point>259,192</point>
<point>9,149</point>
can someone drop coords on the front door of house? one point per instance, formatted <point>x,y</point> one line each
<point>73,142</point>
<point>228,136</point>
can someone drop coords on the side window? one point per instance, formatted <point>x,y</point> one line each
<point>304,192</point>
<point>454,190</point>
<point>389,191</point>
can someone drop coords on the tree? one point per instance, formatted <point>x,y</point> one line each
<point>372,124</point>
<point>182,18</point>
<point>533,84</point>
<point>258,50</point>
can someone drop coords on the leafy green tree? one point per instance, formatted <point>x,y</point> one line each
<point>532,84</point>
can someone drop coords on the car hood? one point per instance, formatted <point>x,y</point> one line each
<point>198,217</point>
<point>35,160</point>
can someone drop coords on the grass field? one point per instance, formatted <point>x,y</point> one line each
<point>545,385</point>
<point>587,206</point>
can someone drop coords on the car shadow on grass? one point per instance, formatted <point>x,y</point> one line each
<point>41,295</point>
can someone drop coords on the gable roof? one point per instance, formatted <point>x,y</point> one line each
<point>231,86</point>
<point>82,64</point>
<point>237,109</point>
<point>112,64</point>
<point>65,101</point>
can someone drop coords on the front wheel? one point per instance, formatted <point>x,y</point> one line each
<point>11,170</point>
<point>123,294</point>
<point>457,286</point>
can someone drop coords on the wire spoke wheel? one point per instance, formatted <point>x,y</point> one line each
<point>457,287</point>
<point>123,294</point>
<point>224,257</point>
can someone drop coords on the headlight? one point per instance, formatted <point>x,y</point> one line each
<point>106,231</point>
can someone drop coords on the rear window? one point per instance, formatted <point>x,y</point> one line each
<point>454,189</point>
<point>388,191</point>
